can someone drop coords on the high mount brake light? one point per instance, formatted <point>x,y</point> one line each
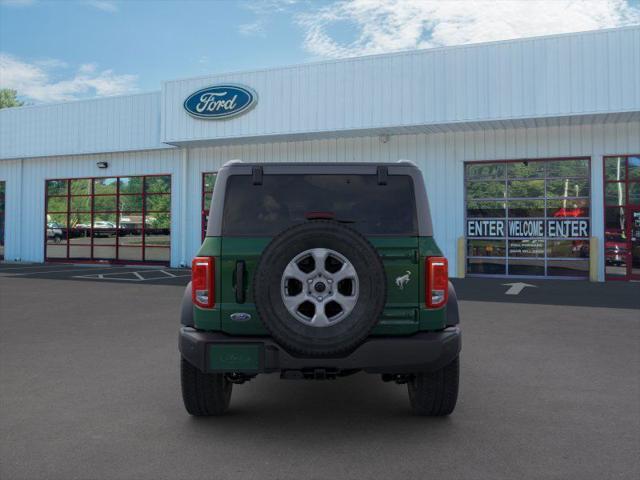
<point>437,282</point>
<point>202,282</point>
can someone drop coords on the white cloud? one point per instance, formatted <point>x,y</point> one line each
<point>389,25</point>
<point>252,29</point>
<point>104,5</point>
<point>36,81</point>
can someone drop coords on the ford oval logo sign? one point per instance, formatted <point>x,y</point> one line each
<point>220,101</point>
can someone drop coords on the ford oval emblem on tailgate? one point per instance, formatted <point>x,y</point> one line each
<point>218,102</point>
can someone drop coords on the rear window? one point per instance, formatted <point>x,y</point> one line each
<point>286,200</point>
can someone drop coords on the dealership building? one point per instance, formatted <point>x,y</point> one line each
<point>530,151</point>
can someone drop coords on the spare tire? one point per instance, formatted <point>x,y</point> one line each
<point>319,288</point>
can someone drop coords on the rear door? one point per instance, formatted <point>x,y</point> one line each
<point>384,212</point>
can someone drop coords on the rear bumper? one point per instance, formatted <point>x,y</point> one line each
<point>422,352</point>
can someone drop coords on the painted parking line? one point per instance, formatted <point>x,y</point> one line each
<point>135,276</point>
<point>38,266</point>
<point>46,271</point>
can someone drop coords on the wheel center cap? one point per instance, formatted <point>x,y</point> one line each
<point>320,287</point>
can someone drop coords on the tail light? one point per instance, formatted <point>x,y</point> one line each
<point>437,282</point>
<point>202,284</point>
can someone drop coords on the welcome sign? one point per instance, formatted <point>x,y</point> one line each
<point>220,101</point>
<point>528,228</point>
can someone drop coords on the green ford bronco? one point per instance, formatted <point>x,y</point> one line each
<point>315,271</point>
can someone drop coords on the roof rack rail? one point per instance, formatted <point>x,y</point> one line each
<point>410,162</point>
<point>232,162</point>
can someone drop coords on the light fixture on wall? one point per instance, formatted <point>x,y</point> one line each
<point>384,138</point>
<point>102,164</point>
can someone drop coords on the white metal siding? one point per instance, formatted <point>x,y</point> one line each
<point>25,223</point>
<point>90,126</point>
<point>547,77</point>
<point>441,157</point>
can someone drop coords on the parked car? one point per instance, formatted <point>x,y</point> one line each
<point>103,228</point>
<point>317,271</point>
<point>54,232</point>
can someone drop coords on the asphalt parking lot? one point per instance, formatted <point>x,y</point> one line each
<point>90,390</point>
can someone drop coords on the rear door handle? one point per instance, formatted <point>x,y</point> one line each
<point>240,296</point>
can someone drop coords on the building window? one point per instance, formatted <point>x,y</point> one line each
<point>622,217</point>
<point>528,218</point>
<point>2,210</point>
<point>119,219</point>
<point>208,181</point>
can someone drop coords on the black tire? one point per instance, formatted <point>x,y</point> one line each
<point>435,394</point>
<point>204,394</point>
<point>351,331</point>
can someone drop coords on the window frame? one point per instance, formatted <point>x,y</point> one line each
<point>507,199</point>
<point>91,213</point>
<point>204,209</point>
<point>626,206</point>
<point>3,215</point>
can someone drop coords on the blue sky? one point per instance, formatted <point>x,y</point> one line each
<point>63,50</point>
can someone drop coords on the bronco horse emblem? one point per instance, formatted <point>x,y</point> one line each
<point>402,280</point>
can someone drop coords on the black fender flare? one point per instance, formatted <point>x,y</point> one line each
<point>453,316</point>
<point>186,308</point>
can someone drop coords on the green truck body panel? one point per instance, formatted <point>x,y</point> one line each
<point>404,312</point>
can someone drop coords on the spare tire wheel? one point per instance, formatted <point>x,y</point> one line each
<point>319,288</point>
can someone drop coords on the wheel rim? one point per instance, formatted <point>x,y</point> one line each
<point>319,287</point>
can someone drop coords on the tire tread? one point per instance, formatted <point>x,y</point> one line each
<point>204,394</point>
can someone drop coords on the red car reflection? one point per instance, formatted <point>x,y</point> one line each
<point>570,212</point>
<point>615,249</point>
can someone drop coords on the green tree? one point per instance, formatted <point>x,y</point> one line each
<point>8,98</point>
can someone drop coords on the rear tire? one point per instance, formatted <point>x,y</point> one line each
<point>204,394</point>
<point>435,394</point>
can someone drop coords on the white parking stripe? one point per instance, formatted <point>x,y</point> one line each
<point>16,274</point>
<point>139,277</point>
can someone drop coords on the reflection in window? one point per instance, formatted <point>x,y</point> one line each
<point>485,189</point>
<point>208,182</point>
<point>526,248</point>
<point>526,208</point>
<point>486,248</point>
<point>485,171</point>
<point>2,215</point>
<point>105,186</point>
<point>477,209</point>
<point>56,187</point>
<point>536,193</point>
<point>526,267</point>
<point>614,193</point>
<point>158,184</point>
<point>489,266</point>
<point>105,203</point>
<point>568,248</point>
<point>108,219</point>
<point>633,168</point>
<point>568,268</point>
<point>568,168</point>
<point>568,188</point>
<point>130,185</point>
<point>526,169</point>
<point>526,188</point>
<point>634,193</point>
<point>573,207</point>
<point>615,168</point>
<point>81,187</point>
